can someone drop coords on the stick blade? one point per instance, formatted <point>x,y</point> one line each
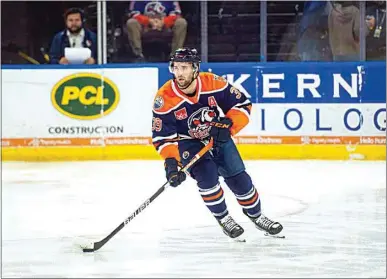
<point>88,250</point>
<point>92,247</point>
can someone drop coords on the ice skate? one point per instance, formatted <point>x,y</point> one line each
<point>231,228</point>
<point>270,227</point>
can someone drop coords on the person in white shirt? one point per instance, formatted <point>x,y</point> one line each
<point>75,35</point>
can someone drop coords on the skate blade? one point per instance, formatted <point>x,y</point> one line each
<point>274,235</point>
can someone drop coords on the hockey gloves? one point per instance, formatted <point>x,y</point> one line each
<point>175,178</point>
<point>220,131</point>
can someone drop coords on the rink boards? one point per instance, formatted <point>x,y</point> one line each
<point>300,110</point>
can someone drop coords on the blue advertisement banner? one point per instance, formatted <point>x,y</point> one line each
<point>345,82</point>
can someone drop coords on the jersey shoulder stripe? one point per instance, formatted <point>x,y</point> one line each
<point>165,99</point>
<point>212,83</point>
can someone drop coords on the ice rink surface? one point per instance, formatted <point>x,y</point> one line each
<point>333,213</point>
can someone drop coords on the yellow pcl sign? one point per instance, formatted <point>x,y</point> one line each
<point>85,96</point>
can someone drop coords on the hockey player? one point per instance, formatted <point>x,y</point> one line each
<point>183,109</point>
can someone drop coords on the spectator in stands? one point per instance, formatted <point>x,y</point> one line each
<point>313,44</point>
<point>75,35</point>
<point>376,41</point>
<point>155,16</point>
<point>344,28</point>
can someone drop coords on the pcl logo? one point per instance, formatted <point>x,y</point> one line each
<point>85,96</point>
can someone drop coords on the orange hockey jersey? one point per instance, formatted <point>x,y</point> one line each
<point>179,117</point>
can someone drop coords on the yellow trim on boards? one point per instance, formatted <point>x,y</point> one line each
<point>147,152</point>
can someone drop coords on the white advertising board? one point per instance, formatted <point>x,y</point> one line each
<point>65,107</point>
<point>34,103</point>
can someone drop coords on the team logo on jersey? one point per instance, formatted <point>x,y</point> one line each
<point>158,103</point>
<point>181,114</point>
<point>199,123</point>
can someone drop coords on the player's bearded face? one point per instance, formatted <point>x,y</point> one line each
<point>183,73</point>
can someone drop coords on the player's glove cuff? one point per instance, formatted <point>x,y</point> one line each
<point>174,176</point>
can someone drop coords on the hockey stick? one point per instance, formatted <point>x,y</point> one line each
<point>97,245</point>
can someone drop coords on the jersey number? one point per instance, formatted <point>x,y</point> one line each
<point>157,124</point>
<point>235,91</point>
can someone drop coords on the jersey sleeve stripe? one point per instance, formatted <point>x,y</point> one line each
<point>184,137</point>
<point>155,139</point>
<point>243,110</point>
<point>165,144</point>
<point>247,102</point>
<point>168,150</point>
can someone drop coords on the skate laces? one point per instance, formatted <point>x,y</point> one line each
<point>228,223</point>
<point>264,222</point>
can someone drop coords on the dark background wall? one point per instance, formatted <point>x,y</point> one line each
<point>29,26</point>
